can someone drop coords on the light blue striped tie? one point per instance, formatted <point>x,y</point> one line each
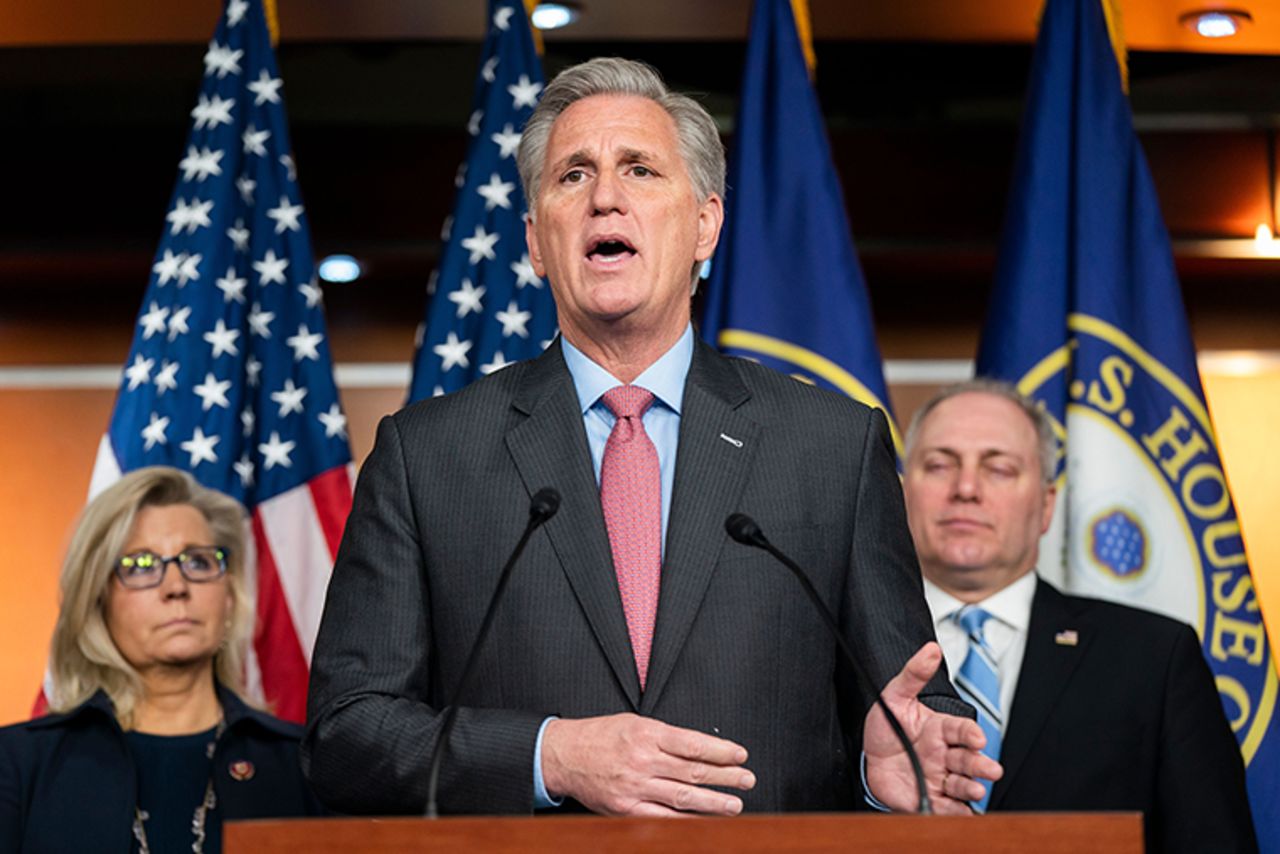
<point>979,684</point>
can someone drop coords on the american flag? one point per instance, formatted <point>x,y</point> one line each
<point>488,308</point>
<point>230,376</point>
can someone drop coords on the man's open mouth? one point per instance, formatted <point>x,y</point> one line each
<point>609,247</point>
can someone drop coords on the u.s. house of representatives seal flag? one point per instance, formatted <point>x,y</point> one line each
<point>785,287</point>
<point>488,308</point>
<point>230,375</point>
<point>1087,318</point>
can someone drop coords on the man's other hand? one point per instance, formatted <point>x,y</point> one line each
<point>630,765</point>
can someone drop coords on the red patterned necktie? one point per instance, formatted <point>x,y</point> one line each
<point>631,495</point>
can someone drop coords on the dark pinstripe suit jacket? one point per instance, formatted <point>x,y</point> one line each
<point>1124,716</point>
<point>737,650</point>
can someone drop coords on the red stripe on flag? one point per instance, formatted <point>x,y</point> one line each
<point>280,658</point>
<point>331,493</point>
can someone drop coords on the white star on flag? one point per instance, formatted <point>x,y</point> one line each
<point>244,468</point>
<point>286,216</point>
<point>140,371</point>
<point>153,433</point>
<point>286,160</point>
<point>274,452</point>
<point>311,290</point>
<point>452,352</point>
<point>304,344</point>
<point>335,423</point>
<point>489,71</point>
<point>235,12</point>
<point>502,17</point>
<point>200,164</point>
<point>211,112</point>
<point>513,320</point>
<point>524,92</point>
<point>481,244</point>
<point>252,368</point>
<point>259,322</point>
<point>255,141</point>
<point>498,363</point>
<point>525,274</point>
<point>200,447</point>
<point>232,286</point>
<point>189,216</point>
<point>155,320</point>
<point>168,267</point>
<point>270,268</point>
<point>467,298</point>
<point>212,392</point>
<point>265,88</point>
<point>508,141</point>
<point>190,269</point>
<point>246,186</point>
<point>221,59</point>
<point>178,323</point>
<point>239,236</point>
<point>247,420</point>
<point>473,125</point>
<point>289,397</point>
<point>496,193</point>
<point>222,339</point>
<point>167,379</point>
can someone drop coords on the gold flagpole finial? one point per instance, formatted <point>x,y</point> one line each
<point>1115,28</point>
<point>273,21</point>
<point>804,29</point>
<point>537,33</point>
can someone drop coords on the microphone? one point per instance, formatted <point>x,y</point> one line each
<point>543,506</point>
<point>745,530</point>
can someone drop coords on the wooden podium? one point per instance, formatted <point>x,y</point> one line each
<point>1009,833</point>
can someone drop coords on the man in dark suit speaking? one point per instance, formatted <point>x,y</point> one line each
<point>641,662</point>
<point>1088,705</point>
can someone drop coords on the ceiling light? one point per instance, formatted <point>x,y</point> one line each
<point>553,16</point>
<point>339,268</point>
<point>1216,23</point>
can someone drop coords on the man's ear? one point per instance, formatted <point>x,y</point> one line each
<point>710,219</point>
<point>535,252</point>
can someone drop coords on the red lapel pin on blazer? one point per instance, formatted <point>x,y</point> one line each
<point>241,770</point>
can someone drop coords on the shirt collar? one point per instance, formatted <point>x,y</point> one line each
<point>1011,606</point>
<point>665,377</point>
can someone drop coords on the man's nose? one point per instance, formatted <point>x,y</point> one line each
<point>967,486</point>
<point>608,195</point>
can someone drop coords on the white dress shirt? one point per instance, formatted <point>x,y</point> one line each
<point>1005,632</point>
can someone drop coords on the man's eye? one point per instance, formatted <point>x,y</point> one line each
<point>641,171</point>
<point>573,176</point>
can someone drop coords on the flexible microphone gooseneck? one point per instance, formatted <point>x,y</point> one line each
<point>745,530</point>
<point>545,503</point>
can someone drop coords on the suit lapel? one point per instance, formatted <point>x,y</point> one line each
<point>1057,638</point>
<point>717,444</point>
<point>549,448</point>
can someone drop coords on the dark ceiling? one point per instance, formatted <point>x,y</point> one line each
<point>923,134</point>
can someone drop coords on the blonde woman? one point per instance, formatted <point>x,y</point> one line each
<point>149,746</point>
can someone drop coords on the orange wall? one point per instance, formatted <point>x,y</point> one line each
<point>48,440</point>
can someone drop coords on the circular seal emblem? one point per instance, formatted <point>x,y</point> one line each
<point>1145,515</point>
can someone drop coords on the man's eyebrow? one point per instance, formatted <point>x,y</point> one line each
<point>581,157</point>
<point>631,155</point>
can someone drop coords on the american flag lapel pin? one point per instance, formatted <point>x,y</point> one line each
<point>1067,637</point>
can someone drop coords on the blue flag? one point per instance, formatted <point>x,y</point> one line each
<point>488,308</point>
<point>785,287</point>
<point>1087,318</point>
<point>229,376</point>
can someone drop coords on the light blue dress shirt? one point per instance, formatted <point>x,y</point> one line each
<point>665,378</point>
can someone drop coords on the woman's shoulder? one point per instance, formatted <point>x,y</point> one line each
<point>244,718</point>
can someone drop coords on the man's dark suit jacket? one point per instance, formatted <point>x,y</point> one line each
<point>738,651</point>
<point>1126,718</point>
